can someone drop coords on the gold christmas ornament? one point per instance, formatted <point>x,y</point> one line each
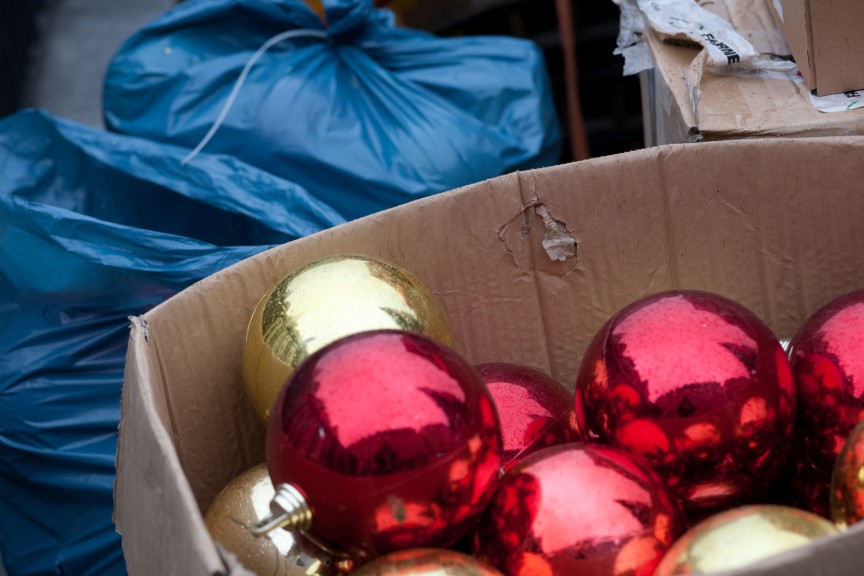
<point>741,536</point>
<point>245,501</point>
<point>327,300</point>
<point>426,562</point>
<point>847,481</point>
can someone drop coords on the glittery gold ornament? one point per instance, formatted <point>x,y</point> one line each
<point>847,481</point>
<point>426,562</point>
<point>245,501</point>
<point>741,536</point>
<point>327,300</point>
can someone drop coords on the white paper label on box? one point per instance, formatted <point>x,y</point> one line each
<point>779,7</point>
<point>684,19</point>
<point>765,67</point>
<point>838,102</point>
<point>631,38</point>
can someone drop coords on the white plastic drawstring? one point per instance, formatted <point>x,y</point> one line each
<point>288,35</point>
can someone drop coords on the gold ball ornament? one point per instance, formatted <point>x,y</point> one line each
<point>326,300</point>
<point>245,501</point>
<point>741,536</point>
<point>847,480</point>
<point>426,562</point>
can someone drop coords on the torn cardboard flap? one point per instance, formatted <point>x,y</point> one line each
<point>685,20</point>
<point>558,243</point>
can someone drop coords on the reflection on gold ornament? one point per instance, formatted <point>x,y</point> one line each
<point>243,502</point>
<point>741,536</point>
<point>327,300</point>
<point>847,482</point>
<point>426,562</point>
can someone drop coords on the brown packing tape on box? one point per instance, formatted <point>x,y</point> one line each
<point>772,223</point>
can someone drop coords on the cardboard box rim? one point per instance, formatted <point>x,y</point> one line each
<point>768,222</point>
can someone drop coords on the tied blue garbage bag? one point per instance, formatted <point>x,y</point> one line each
<point>363,114</point>
<point>95,227</point>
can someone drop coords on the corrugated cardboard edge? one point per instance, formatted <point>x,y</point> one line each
<point>830,555</point>
<point>796,25</point>
<point>674,117</point>
<point>150,476</point>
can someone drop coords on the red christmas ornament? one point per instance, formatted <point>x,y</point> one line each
<point>535,411</point>
<point>697,384</point>
<point>827,357</point>
<point>579,508</point>
<point>388,440</point>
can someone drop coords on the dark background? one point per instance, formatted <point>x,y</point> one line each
<point>610,102</point>
<point>17,36</point>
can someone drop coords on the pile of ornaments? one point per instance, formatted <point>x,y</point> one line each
<point>693,443</point>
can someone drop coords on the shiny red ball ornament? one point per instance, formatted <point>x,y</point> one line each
<point>535,410</point>
<point>697,384</point>
<point>827,357</point>
<point>392,440</point>
<point>579,508</point>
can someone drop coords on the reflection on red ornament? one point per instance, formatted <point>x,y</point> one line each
<point>392,440</point>
<point>827,357</point>
<point>579,508</point>
<point>697,384</point>
<point>535,411</point>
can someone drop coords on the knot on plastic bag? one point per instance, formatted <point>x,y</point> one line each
<point>238,84</point>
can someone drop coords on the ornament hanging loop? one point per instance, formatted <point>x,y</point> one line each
<point>288,509</point>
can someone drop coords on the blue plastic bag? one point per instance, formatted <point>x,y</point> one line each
<point>95,227</point>
<point>363,114</point>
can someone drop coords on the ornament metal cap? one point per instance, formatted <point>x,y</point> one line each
<point>288,509</point>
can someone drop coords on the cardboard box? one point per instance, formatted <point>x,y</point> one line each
<point>731,106</point>
<point>827,39</point>
<point>528,267</point>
